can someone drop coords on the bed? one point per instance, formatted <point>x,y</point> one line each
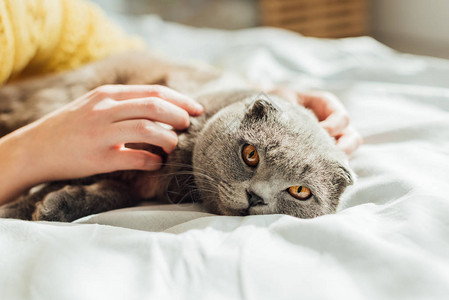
<point>388,240</point>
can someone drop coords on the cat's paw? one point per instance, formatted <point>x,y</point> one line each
<point>15,211</point>
<point>6,213</point>
<point>59,205</point>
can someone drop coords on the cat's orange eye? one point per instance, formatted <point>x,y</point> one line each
<point>250,155</point>
<point>300,192</point>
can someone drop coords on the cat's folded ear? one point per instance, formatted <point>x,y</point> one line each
<point>260,109</point>
<point>345,173</point>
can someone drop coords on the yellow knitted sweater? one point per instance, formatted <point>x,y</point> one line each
<point>40,36</point>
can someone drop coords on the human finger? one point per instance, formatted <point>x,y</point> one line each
<point>133,159</point>
<point>335,123</point>
<point>144,131</point>
<point>349,141</point>
<point>152,108</point>
<point>126,92</point>
<point>328,109</point>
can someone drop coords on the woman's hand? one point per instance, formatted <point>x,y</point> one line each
<point>333,117</point>
<point>88,135</point>
<point>330,112</point>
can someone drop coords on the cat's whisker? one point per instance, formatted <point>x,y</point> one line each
<point>172,164</point>
<point>227,193</point>
<point>195,173</point>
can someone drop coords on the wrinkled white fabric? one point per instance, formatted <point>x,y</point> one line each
<point>389,240</point>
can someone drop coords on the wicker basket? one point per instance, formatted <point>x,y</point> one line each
<point>319,18</point>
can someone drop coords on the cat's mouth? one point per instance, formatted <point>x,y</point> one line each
<point>235,204</point>
<point>257,210</point>
<point>246,205</point>
<point>234,211</point>
<point>246,211</point>
<point>231,207</point>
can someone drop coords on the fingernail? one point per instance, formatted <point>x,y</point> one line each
<point>199,108</point>
<point>169,150</point>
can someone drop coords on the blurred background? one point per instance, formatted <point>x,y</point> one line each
<point>412,26</point>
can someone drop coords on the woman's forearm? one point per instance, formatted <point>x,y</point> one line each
<point>17,171</point>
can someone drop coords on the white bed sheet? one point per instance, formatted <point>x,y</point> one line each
<point>389,240</point>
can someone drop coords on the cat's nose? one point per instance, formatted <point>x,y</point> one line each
<point>254,199</point>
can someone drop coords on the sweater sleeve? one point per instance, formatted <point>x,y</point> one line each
<point>42,36</point>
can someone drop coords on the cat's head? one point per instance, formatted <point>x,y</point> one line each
<point>267,156</point>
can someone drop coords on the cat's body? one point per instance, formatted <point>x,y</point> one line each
<point>207,164</point>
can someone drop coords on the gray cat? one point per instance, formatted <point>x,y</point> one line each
<point>248,154</point>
